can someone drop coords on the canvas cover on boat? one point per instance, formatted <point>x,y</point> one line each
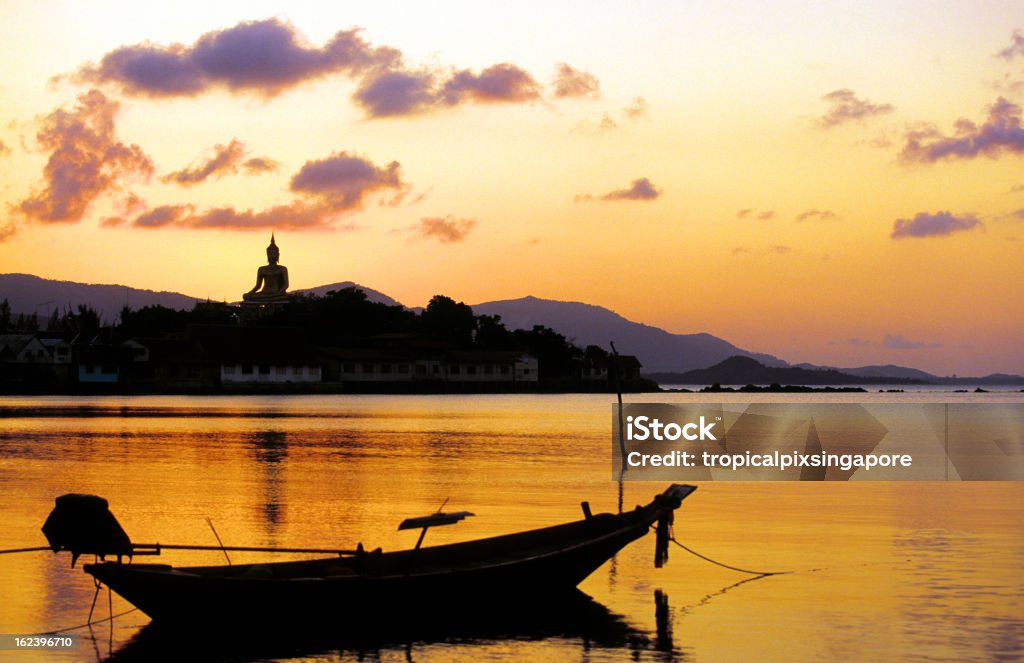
<point>83,524</point>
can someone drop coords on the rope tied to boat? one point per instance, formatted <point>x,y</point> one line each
<point>664,534</point>
<point>88,624</point>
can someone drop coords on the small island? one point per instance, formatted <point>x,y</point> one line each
<point>778,389</point>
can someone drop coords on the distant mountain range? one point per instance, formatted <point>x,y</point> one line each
<point>29,294</point>
<point>586,324</point>
<point>744,371</point>
<point>667,357</point>
<point>886,371</point>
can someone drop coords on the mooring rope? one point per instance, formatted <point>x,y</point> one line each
<point>671,537</point>
<point>726,566</point>
<point>85,625</point>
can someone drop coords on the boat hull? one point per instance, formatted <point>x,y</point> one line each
<point>475,575</point>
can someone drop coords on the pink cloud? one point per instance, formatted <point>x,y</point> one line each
<point>570,82</point>
<point>846,107</point>
<point>328,189</point>
<point>86,160</point>
<point>640,189</point>
<point>500,83</point>
<point>939,224</point>
<point>224,160</point>
<point>263,57</point>
<point>1001,132</point>
<point>445,229</point>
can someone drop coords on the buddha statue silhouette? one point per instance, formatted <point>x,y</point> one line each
<point>271,279</point>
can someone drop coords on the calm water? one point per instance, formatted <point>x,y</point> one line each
<point>917,571</point>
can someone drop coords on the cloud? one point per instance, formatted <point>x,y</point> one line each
<point>763,215</point>
<point>343,181</point>
<point>294,216</point>
<point>1017,215</point>
<point>130,204</point>
<point>326,190</point>
<point>7,231</point>
<point>740,250</point>
<point>881,141</point>
<point>817,215</point>
<point>445,229</point>
<point>397,93</point>
<point>781,249</point>
<point>225,159</point>
<point>263,57</point>
<point>607,123</point>
<point>933,225</point>
<point>257,165</point>
<point>1014,49</point>
<point>4,150</point>
<point>1008,83</point>
<point>1001,132</point>
<point>637,109</point>
<point>569,82</point>
<point>268,57</point>
<point>163,216</point>
<point>86,160</point>
<point>1017,188</point>
<point>860,342</point>
<point>500,83</point>
<point>641,189</point>
<point>400,92</point>
<point>846,107</point>
<point>897,342</point>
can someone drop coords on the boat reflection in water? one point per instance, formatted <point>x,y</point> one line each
<point>565,618</point>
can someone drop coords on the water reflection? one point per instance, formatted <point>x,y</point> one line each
<point>571,621</point>
<point>906,570</point>
<point>271,450</point>
<point>664,622</point>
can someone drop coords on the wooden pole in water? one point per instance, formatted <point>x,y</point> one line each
<point>613,365</point>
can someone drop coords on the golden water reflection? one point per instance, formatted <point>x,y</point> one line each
<point>882,570</point>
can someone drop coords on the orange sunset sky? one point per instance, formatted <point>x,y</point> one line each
<point>832,182</point>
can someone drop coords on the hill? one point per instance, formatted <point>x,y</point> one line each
<point>30,294</point>
<point>372,295</point>
<point>586,324</point>
<point>744,370</point>
<point>885,372</point>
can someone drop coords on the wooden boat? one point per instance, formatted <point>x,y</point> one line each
<point>525,566</point>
